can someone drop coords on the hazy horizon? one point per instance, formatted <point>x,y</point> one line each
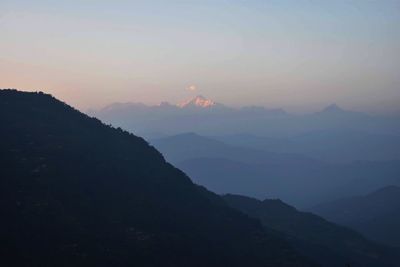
<point>281,134</point>
<point>297,55</point>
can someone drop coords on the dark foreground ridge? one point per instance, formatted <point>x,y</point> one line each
<point>325,242</point>
<point>376,215</point>
<point>75,192</point>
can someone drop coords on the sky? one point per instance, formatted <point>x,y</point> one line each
<point>298,55</point>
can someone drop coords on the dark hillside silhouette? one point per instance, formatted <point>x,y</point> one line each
<point>75,192</point>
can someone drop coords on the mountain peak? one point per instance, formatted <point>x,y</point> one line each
<point>332,108</point>
<point>198,101</point>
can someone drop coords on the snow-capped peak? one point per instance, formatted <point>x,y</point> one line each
<point>198,101</point>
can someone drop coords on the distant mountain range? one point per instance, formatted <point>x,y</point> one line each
<point>207,117</point>
<point>332,135</point>
<point>298,180</point>
<point>376,215</point>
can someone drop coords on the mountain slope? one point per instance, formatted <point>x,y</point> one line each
<point>75,192</point>
<point>376,215</point>
<point>298,180</point>
<point>325,242</point>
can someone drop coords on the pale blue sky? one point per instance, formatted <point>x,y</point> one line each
<point>299,55</point>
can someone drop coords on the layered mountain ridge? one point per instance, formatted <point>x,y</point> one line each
<point>233,167</point>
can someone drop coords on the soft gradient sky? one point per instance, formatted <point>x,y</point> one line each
<point>300,55</point>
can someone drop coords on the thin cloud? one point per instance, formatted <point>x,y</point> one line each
<point>191,88</point>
